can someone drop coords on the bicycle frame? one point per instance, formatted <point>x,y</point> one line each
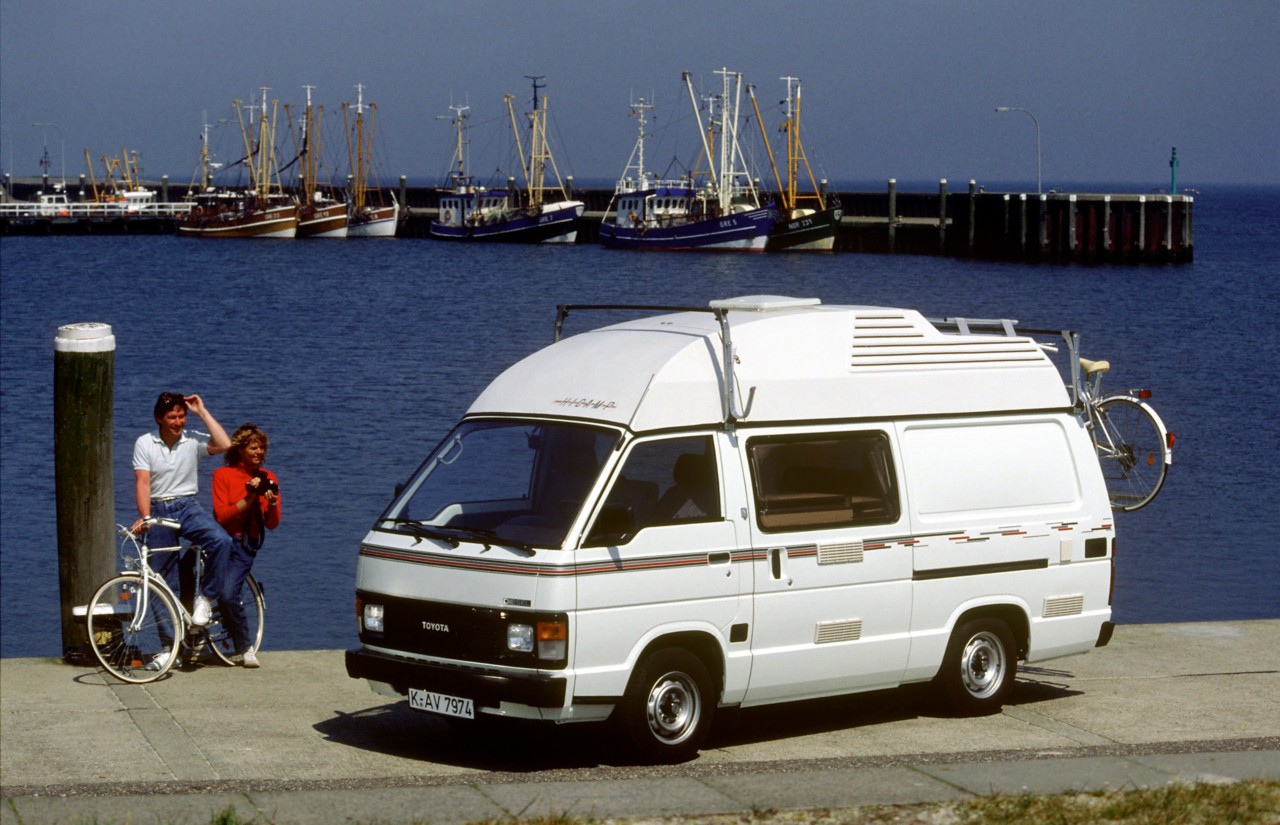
<point>150,578</point>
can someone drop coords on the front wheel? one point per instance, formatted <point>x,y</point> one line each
<point>133,626</point>
<point>979,667</point>
<point>1132,451</point>
<point>668,707</point>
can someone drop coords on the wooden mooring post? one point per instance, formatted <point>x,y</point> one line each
<point>83,381</point>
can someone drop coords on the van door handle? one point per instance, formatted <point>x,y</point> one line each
<point>775,562</point>
<point>719,558</point>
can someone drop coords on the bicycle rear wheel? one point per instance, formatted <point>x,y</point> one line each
<point>1132,451</point>
<point>255,606</point>
<point>134,647</point>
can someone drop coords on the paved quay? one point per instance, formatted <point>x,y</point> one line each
<point>299,742</point>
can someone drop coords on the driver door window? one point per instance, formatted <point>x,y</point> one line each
<point>669,481</point>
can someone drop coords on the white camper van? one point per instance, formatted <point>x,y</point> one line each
<point>764,500</point>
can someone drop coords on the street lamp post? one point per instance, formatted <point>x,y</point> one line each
<point>62,147</point>
<point>1039,189</point>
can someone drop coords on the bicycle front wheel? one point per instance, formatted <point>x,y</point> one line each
<point>1132,451</point>
<point>254,606</point>
<point>133,625</point>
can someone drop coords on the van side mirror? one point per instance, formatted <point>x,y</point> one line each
<point>616,524</point>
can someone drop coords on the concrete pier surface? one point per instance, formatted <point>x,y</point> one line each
<point>297,741</point>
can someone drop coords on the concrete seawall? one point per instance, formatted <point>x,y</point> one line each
<point>298,741</point>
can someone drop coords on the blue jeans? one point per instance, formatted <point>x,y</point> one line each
<point>198,527</point>
<point>234,571</point>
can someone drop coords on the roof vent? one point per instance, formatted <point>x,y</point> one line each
<point>764,303</point>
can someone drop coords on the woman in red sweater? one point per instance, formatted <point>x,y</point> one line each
<point>246,502</point>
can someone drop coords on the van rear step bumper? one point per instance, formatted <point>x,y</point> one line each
<point>485,688</point>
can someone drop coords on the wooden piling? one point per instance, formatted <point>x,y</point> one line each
<point>942,216</point>
<point>893,214</point>
<point>83,381</point>
<point>973,213</point>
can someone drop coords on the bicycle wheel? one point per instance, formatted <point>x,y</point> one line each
<point>255,606</point>
<point>134,647</point>
<point>1131,450</point>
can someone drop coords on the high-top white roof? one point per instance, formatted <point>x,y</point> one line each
<point>805,362</point>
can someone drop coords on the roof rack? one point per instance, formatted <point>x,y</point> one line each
<point>968,326</point>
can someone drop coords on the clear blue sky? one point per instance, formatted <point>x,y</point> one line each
<point>891,89</point>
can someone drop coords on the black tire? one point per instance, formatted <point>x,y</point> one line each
<point>255,608</point>
<point>669,706</point>
<point>979,667</point>
<point>1131,452</point>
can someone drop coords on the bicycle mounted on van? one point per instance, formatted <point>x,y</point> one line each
<point>611,531</point>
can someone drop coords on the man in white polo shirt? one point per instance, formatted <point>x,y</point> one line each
<point>164,467</point>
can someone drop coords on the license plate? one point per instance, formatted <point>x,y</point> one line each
<point>443,704</point>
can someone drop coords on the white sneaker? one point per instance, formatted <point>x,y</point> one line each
<point>249,659</point>
<point>158,661</point>
<point>200,616</point>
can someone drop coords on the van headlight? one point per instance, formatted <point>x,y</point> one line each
<point>548,639</point>
<point>374,618</point>
<point>520,638</point>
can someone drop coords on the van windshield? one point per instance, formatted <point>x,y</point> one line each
<point>507,483</point>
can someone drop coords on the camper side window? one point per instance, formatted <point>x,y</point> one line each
<point>669,481</point>
<point>823,480</point>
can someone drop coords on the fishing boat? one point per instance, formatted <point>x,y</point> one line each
<point>127,196</point>
<point>808,217</point>
<point>262,210</point>
<point>320,215</point>
<point>369,214</point>
<point>723,212</point>
<point>470,212</point>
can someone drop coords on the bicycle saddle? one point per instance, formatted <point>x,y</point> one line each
<point>1090,367</point>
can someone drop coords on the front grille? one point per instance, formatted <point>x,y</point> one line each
<point>453,631</point>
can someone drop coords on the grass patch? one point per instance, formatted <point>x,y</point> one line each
<point>1237,803</point>
<point>1207,804</point>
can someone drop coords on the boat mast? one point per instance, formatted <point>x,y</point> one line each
<point>636,161</point>
<point>204,156</point>
<point>768,147</point>
<point>537,144</point>
<point>706,146</point>
<point>515,130</point>
<point>357,156</point>
<point>795,151</point>
<point>728,142</point>
<point>458,121</point>
<point>308,152</point>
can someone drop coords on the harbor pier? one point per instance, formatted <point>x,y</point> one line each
<point>968,222</point>
<point>1016,226</point>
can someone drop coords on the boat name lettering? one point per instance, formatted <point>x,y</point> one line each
<point>590,403</point>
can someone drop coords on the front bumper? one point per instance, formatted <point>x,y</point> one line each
<point>487,688</point>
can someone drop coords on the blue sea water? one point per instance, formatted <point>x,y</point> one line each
<point>356,357</point>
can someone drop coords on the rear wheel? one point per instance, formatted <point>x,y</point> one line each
<point>669,705</point>
<point>1131,450</point>
<point>255,607</point>
<point>134,641</point>
<point>979,667</point>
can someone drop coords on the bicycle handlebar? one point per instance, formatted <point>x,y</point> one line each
<point>153,521</point>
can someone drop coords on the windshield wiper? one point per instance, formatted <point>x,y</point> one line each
<point>490,537</point>
<point>421,531</point>
<point>454,536</point>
